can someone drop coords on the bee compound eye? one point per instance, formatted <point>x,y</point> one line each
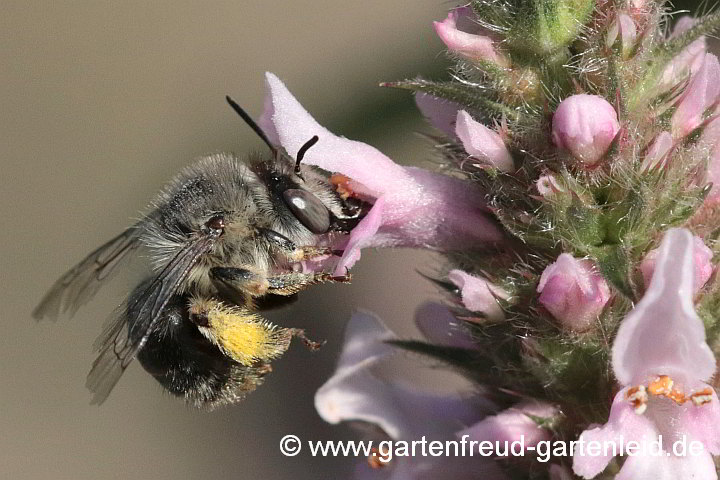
<point>216,224</point>
<point>308,209</point>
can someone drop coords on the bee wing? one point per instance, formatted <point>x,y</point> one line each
<point>119,344</point>
<point>79,284</point>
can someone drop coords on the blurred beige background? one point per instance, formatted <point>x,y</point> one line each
<point>102,102</point>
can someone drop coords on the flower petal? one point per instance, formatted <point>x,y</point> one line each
<point>624,425</point>
<point>357,160</point>
<point>459,32</point>
<point>702,264</point>
<point>702,423</point>
<point>671,467</point>
<point>663,335</point>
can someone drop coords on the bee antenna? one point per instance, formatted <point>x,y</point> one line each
<point>251,123</point>
<point>303,150</point>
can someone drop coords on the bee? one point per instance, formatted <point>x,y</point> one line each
<point>227,239</point>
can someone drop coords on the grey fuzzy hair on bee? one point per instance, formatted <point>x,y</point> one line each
<point>226,239</point>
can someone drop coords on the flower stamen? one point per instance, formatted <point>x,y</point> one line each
<point>638,397</point>
<point>702,397</point>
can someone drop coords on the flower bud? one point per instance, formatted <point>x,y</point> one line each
<point>461,34</point>
<point>657,154</point>
<point>624,29</point>
<point>573,292</point>
<point>585,125</point>
<point>548,185</point>
<point>479,295</point>
<point>482,142</point>
<point>702,264</point>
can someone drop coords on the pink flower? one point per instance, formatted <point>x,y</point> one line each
<point>483,143</point>
<point>462,34</point>
<point>514,424</point>
<point>700,95</point>
<point>585,125</point>
<point>662,360</point>
<point>440,113</point>
<point>702,264</point>
<point>479,295</point>
<point>357,392</point>
<point>573,292</point>
<point>412,207</point>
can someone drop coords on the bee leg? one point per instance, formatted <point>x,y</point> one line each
<point>311,345</point>
<point>239,333</point>
<point>238,285</point>
<point>288,248</point>
<point>291,283</point>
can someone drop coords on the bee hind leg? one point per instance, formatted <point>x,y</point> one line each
<point>241,334</point>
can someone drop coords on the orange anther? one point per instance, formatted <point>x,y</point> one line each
<point>702,397</point>
<point>662,385</point>
<point>342,185</point>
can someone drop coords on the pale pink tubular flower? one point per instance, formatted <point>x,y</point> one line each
<point>479,295</point>
<point>702,264</point>
<point>358,392</point>
<point>518,423</point>
<point>439,112</point>
<point>573,291</point>
<point>462,35</point>
<point>585,125</point>
<point>663,362</point>
<point>700,95</point>
<point>412,207</point>
<point>483,143</point>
